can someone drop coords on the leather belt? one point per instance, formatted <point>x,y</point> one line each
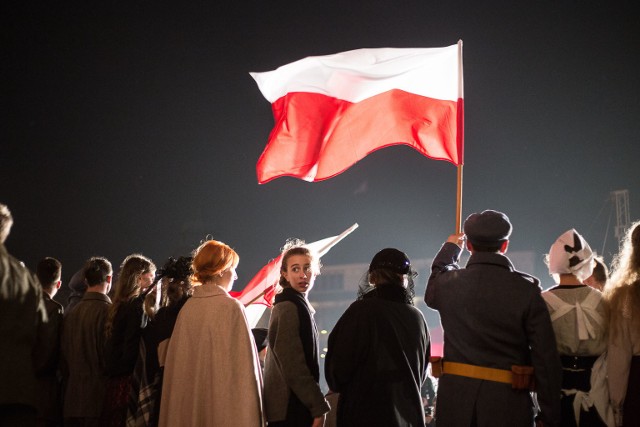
<point>478,372</point>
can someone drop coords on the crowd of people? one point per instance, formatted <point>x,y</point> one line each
<point>170,346</point>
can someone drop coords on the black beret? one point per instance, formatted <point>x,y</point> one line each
<point>391,259</point>
<point>488,227</point>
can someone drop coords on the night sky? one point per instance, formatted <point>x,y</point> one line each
<point>135,127</point>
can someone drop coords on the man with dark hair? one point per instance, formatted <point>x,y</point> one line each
<point>21,308</point>
<point>83,348</point>
<point>46,355</point>
<point>498,338</point>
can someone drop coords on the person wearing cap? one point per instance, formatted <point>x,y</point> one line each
<point>378,352</point>
<point>579,317</point>
<point>497,333</point>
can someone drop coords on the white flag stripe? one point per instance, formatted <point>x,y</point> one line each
<point>321,247</point>
<point>362,73</point>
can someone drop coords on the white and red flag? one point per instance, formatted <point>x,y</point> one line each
<point>260,291</point>
<point>331,111</point>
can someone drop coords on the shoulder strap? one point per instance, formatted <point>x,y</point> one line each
<point>529,277</point>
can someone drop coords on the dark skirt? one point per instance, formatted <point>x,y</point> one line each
<point>297,414</point>
<point>576,374</point>
<point>114,411</point>
<point>631,407</point>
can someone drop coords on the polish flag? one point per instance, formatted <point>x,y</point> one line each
<point>331,111</point>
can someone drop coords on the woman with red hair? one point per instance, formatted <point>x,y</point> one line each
<point>212,374</point>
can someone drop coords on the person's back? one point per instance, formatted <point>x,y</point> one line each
<point>21,308</point>
<point>46,354</point>
<point>482,309</point>
<point>623,351</point>
<point>393,351</point>
<point>495,324</point>
<point>83,347</point>
<point>378,353</point>
<point>210,359</point>
<point>579,316</point>
<point>212,374</point>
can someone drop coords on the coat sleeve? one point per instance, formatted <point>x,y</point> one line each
<point>347,347</point>
<point>288,351</point>
<point>545,359</point>
<point>619,356</point>
<point>446,260</point>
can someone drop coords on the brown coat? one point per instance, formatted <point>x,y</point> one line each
<point>212,374</point>
<point>82,346</point>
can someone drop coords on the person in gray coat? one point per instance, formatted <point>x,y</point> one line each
<point>292,392</point>
<point>498,338</point>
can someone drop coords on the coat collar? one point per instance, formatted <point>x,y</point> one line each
<point>208,290</point>
<point>490,258</point>
<point>290,294</point>
<point>96,296</point>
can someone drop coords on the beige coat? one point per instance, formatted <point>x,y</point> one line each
<point>212,375</point>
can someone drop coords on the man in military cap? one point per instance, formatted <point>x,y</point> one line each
<point>498,338</point>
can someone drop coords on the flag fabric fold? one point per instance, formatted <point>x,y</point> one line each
<point>331,111</point>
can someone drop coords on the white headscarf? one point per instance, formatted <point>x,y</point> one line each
<point>571,254</point>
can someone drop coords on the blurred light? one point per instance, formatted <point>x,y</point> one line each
<point>324,331</point>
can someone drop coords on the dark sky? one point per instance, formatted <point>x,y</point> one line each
<point>135,126</point>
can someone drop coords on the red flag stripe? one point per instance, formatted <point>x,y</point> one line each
<point>317,137</point>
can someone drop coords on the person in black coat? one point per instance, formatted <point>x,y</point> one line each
<point>378,351</point>
<point>123,330</point>
<point>146,389</point>
<point>46,355</point>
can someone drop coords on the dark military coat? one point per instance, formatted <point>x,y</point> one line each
<point>492,316</point>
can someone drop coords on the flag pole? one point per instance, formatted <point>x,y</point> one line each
<point>459,201</point>
<point>267,289</point>
<point>460,140</point>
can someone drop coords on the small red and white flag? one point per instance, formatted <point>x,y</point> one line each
<point>331,111</point>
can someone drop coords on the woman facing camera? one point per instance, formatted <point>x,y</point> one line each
<point>379,349</point>
<point>212,375</point>
<point>292,393</point>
